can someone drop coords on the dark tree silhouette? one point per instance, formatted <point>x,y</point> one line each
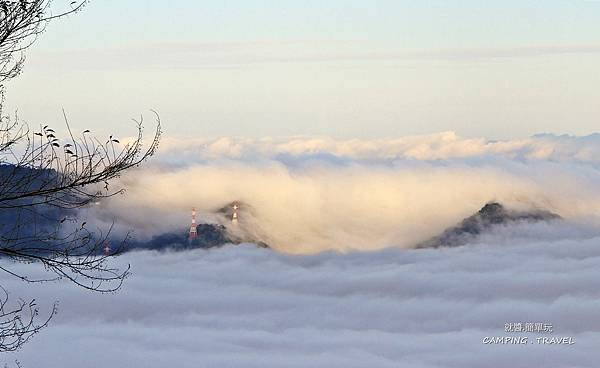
<point>44,179</point>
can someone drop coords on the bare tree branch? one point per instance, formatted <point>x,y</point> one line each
<point>44,178</point>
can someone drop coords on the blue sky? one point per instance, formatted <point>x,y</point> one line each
<point>348,69</point>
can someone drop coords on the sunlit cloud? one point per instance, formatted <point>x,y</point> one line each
<point>307,195</point>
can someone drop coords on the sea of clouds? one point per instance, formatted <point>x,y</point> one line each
<point>342,286</point>
<point>249,307</point>
<point>306,195</point>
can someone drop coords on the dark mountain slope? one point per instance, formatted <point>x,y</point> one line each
<point>491,215</point>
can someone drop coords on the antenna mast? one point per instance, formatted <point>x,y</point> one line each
<point>193,230</point>
<point>234,216</point>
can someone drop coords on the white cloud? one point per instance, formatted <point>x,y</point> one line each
<point>438,146</point>
<point>248,307</point>
<point>313,194</point>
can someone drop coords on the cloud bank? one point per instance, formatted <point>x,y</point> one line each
<point>315,194</point>
<point>438,146</point>
<point>249,307</point>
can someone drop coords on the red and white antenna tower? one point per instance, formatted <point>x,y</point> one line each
<point>234,216</point>
<point>193,231</point>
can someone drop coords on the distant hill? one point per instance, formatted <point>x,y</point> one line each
<point>209,235</point>
<point>491,215</point>
<point>18,221</point>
